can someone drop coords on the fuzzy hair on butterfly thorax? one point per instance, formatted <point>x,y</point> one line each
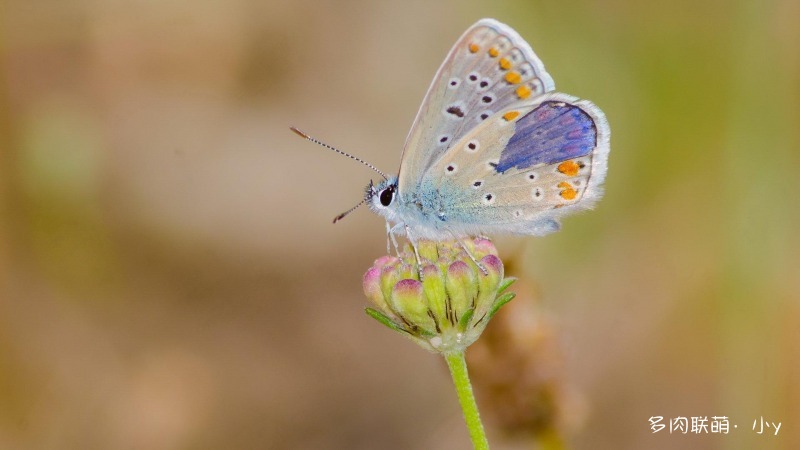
<point>493,150</point>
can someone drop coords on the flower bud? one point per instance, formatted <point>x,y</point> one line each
<point>444,302</point>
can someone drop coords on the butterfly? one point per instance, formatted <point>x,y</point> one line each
<point>493,149</point>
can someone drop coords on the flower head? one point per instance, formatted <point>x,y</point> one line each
<point>445,302</point>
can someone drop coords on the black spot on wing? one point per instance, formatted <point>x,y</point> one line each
<point>456,111</point>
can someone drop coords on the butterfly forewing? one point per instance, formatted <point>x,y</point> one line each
<point>489,69</point>
<point>524,167</point>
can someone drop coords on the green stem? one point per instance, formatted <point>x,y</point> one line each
<point>458,370</point>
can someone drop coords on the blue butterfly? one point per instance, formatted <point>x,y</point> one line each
<point>493,149</point>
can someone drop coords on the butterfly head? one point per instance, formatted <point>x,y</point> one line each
<point>382,197</point>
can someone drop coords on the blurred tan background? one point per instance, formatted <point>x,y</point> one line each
<point>170,278</point>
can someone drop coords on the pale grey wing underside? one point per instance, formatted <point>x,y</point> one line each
<point>489,69</point>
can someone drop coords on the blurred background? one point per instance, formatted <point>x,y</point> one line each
<point>170,277</point>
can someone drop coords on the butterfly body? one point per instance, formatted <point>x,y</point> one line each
<point>493,150</point>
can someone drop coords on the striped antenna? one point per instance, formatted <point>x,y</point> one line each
<point>341,216</point>
<point>370,193</point>
<point>305,136</point>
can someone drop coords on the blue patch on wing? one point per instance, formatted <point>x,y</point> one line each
<point>551,133</point>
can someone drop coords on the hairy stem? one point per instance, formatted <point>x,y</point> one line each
<point>458,370</point>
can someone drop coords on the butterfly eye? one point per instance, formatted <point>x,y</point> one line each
<point>387,195</point>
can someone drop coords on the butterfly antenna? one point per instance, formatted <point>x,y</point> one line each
<point>370,193</point>
<point>341,216</point>
<point>305,136</point>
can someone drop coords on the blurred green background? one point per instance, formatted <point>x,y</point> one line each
<point>170,278</point>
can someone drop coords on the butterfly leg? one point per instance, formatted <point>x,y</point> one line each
<point>469,253</point>
<point>416,252</point>
<point>391,240</point>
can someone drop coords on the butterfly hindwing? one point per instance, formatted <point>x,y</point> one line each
<point>488,69</point>
<point>524,167</point>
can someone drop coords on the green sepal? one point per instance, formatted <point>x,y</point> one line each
<point>464,321</point>
<point>425,333</point>
<point>416,336</point>
<point>505,284</point>
<point>502,300</point>
<point>384,319</point>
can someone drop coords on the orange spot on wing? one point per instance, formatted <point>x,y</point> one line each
<point>473,48</point>
<point>523,92</point>
<point>504,63</point>
<point>513,77</point>
<point>567,191</point>
<point>569,168</point>
<point>511,115</point>
<point>493,52</point>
